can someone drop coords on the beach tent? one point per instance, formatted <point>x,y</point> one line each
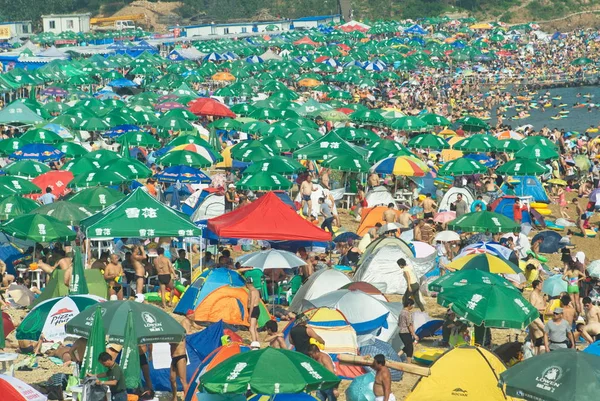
<point>285,198</point>
<point>139,215</point>
<point>465,373</point>
<point>451,195</point>
<point>416,29</point>
<point>528,186</point>
<point>190,205</point>
<point>198,347</point>
<point>379,196</point>
<point>504,206</point>
<point>56,285</point>
<point>386,241</point>
<point>380,268</point>
<point>213,205</point>
<point>372,216</point>
<point>208,281</point>
<point>267,218</point>
<point>319,283</point>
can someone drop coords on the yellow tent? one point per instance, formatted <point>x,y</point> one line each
<point>464,373</point>
<point>451,154</point>
<point>227,160</point>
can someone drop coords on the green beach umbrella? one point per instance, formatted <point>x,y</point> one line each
<point>78,285</point>
<point>344,95</point>
<point>131,169</point>
<point>582,61</point>
<point>26,169</point>
<point>71,149</point>
<point>560,375</point>
<point>302,136</point>
<point>17,186</point>
<point>82,165</point>
<point>94,124</point>
<point>537,152</point>
<point>368,116</point>
<point>96,198</point>
<point>69,213</point>
<point>510,145</point>
<point>466,278</point>
<point>279,144</point>
<point>263,181</point>
<point>473,124</point>
<point>138,138</point>
<point>130,356</point>
<point>462,166</point>
<point>352,134</point>
<point>95,178</point>
<point>38,228</point>
<point>333,116</point>
<point>268,371</point>
<point>8,146</point>
<point>539,140</point>
<point>15,205</point>
<point>251,151</point>
<point>354,163</point>
<point>41,135</point>
<point>408,123</point>
<point>481,222</point>
<point>183,158</point>
<point>95,346</point>
<point>174,124</point>
<point>152,324</point>
<point>490,304</point>
<point>276,164</point>
<point>435,120</point>
<point>522,167</point>
<point>477,143</point>
<point>428,141</point>
<point>226,124</point>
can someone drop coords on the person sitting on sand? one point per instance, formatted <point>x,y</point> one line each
<point>274,338</point>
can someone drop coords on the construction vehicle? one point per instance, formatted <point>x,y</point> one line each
<point>118,23</point>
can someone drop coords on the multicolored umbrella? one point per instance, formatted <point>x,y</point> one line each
<point>408,166</point>
<point>14,389</point>
<point>485,262</point>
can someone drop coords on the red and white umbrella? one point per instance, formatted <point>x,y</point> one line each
<point>445,217</point>
<point>14,389</point>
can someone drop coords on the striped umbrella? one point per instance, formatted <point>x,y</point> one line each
<point>402,165</point>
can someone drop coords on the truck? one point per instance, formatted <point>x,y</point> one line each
<point>117,23</point>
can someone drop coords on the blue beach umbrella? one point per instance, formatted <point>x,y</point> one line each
<point>37,151</point>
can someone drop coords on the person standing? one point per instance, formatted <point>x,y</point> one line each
<point>138,256</point>
<point>113,274</point>
<point>429,206</point>
<point>115,378</point>
<point>306,190</point>
<point>412,284</point>
<point>382,387</point>
<point>460,206</point>
<point>327,215</point>
<point>230,198</point>
<point>178,367</point>
<point>406,328</point>
<point>253,308</point>
<point>166,274</point>
<point>537,298</point>
<point>324,359</point>
<point>573,276</point>
<point>557,332</point>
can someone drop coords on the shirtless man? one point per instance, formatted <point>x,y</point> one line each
<point>7,279</point>
<point>138,255</point>
<point>382,388</point>
<point>404,219</point>
<point>591,312</point>
<point>189,324</point>
<point>253,309</point>
<point>178,367</point>
<point>389,216</point>
<point>166,273</point>
<point>537,298</point>
<point>429,207</point>
<point>306,190</point>
<point>569,313</point>
<point>66,264</point>
<point>112,272</point>
<point>536,332</point>
<point>274,338</point>
<point>590,332</point>
<point>325,360</point>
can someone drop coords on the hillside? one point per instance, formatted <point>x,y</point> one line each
<point>161,14</point>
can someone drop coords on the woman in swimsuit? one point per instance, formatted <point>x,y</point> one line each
<point>573,276</point>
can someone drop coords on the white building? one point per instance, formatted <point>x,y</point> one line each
<point>17,29</point>
<point>57,23</point>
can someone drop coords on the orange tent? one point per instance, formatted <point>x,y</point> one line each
<point>372,216</point>
<point>223,76</point>
<point>305,41</point>
<point>309,82</point>
<point>229,304</point>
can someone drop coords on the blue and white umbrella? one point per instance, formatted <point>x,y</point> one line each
<point>354,63</point>
<point>254,60</point>
<point>213,57</point>
<point>376,65</point>
<point>37,151</point>
<point>493,248</point>
<point>122,83</point>
<point>302,59</point>
<point>120,130</point>
<point>183,174</point>
<point>331,62</point>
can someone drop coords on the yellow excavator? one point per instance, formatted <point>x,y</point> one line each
<point>119,22</point>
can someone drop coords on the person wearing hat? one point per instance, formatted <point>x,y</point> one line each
<point>254,345</point>
<point>230,198</point>
<point>189,324</point>
<point>557,332</point>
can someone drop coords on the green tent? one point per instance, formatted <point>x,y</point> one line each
<point>139,216</point>
<point>56,286</point>
<point>18,112</point>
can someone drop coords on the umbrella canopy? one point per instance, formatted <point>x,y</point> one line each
<point>271,259</point>
<point>493,305</point>
<point>130,357</point>
<point>38,228</point>
<point>428,141</point>
<point>138,138</point>
<point>66,212</point>
<point>152,325</point>
<point>49,317</point>
<point>263,181</point>
<point>268,371</point>
<point>522,167</point>
<point>355,163</point>
<point>554,285</point>
<point>14,205</point>
<point>462,166</point>
<point>477,143</point>
<point>560,375</point>
<point>17,186</point>
<point>41,135</point>
<point>481,222</point>
<point>473,124</point>
<point>96,198</point>
<point>96,178</point>
<point>401,166</point>
<point>276,164</point>
<point>466,278</point>
<point>95,344</point>
<point>485,262</point>
<point>183,174</point>
<point>550,241</point>
<point>14,389</point>
<point>537,152</point>
<point>184,158</point>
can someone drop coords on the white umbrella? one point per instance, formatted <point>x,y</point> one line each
<point>20,294</point>
<point>271,259</point>
<point>389,227</point>
<point>446,236</point>
<point>594,269</point>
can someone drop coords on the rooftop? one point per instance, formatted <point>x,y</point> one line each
<point>66,15</point>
